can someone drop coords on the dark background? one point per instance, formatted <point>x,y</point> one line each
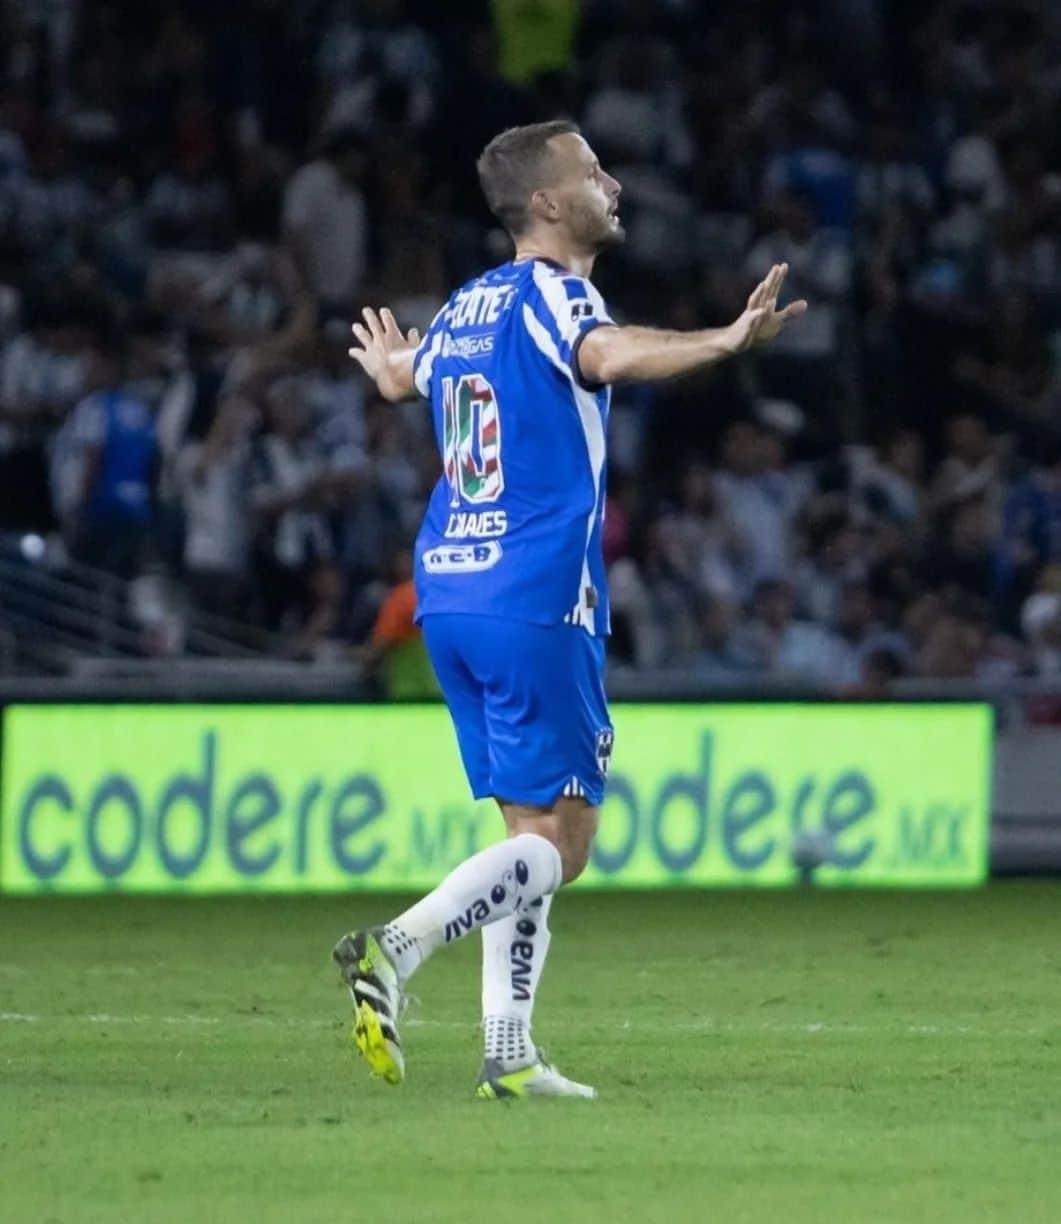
<point>196,198</point>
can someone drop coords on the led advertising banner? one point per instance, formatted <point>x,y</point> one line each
<point>209,799</point>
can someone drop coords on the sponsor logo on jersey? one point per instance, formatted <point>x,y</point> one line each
<point>581,310</point>
<point>462,524</point>
<point>467,346</point>
<point>461,558</point>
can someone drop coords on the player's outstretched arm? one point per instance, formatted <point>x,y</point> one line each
<point>385,354</point>
<point>619,354</point>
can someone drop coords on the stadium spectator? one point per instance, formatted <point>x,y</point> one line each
<point>1008,371</point>
<point>759,501</point>
<point>1030,534</point>
<point>833,555</point>
<point>810,368</point>
<point>534,39</point>
<point>395,652</point>
<point>325,219</point>
<point>800,104</point>
<point>289,483</point>
<point>377,66</point>
<point>1041,623</point>
<point>409,247</point>
<point>188,206</point>
<point>115,432</point>
<point>774,643</point>
<point>970,468</point>
<point>887,481</point>
<point>212,477</point>
<point>335,392</point>
<point>707,548</point>
<point>890,186</point>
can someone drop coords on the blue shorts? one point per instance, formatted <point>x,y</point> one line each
<point>528,705</point>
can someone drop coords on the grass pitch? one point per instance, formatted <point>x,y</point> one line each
<point>769,1057</point>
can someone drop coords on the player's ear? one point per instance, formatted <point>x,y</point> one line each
<point>544,206</point>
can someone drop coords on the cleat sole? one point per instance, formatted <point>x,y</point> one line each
<point>354,955</point>
<point>372,1044</point>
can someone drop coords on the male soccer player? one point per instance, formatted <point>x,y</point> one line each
<point>510,577</point>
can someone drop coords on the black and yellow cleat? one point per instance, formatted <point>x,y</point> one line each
<point>377,997</point>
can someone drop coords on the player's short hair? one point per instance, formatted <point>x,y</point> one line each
<point>511,169</point>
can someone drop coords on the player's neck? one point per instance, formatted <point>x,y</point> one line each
<point>537,247</point>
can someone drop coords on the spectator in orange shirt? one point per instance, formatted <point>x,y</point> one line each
<point>395,652</point>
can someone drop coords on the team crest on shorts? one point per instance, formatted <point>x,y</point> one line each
<point>605,740</point>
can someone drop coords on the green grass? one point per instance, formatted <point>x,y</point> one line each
<point>769,1057</point>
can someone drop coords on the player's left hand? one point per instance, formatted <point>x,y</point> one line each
<point>761,320</point>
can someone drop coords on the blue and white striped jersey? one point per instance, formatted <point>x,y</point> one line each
<point>513,527</point>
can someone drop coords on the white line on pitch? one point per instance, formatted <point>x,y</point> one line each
<point>816,1028</point>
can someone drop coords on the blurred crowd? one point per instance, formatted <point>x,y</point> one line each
<point>196,198</point>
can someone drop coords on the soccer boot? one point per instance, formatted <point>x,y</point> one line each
<point>537,1079</point>
<point>378,1002</point>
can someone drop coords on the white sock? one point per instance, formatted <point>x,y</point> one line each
<point>514,951</point>
<point>487,887</point>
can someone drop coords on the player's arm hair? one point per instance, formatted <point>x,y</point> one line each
<point>624,354</point>
<point>619,354</point>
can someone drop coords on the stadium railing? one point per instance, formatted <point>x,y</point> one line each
<point>56,613</point>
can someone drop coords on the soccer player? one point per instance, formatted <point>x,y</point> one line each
<point>510,577</point>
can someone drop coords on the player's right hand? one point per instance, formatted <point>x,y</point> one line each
<point>383,352</point>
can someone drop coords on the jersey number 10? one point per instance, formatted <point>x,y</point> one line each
<point>471,435</point>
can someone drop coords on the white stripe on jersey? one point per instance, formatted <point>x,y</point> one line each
<point>424,360</point>
<point>593,431</point>
<point>554,294</point>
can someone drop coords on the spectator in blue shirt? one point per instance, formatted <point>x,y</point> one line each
<point>119,468</point>
<point>1031,530</point>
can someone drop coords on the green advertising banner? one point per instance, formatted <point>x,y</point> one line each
<point>205,799</point>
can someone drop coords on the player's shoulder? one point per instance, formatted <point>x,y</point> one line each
<point>509,273</point>
<point>540,275</point>
<point>554,281</point>
<point>546,273</point>
<point>565,295</point>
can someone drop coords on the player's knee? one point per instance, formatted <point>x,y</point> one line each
<point>570,826</point>
<point>574,860</point>
<point>578,832</point>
